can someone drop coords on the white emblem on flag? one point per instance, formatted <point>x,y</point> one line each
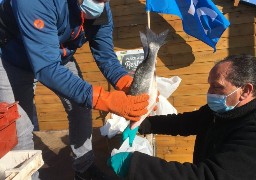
<point>202,11</point>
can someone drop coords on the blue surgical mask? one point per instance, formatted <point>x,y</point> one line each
<point>217,102</point>
<point>92,8</point>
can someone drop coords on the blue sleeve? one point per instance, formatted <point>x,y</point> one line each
<point>41,44</point>
<point>102,48</point>
<point>66,84</point>
<point>42,48</point>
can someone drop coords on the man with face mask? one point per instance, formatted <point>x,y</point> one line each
<point>38,40</point>
<point>225,131</point>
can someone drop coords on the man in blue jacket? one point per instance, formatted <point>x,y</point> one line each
<point>38,40</point>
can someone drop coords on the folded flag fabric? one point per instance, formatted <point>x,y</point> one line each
<point>200,18</point>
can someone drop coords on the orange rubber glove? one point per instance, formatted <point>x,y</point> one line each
<point>124,83</point>
<point>117,102</point>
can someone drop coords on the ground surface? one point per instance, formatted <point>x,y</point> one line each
<point>57,153</point>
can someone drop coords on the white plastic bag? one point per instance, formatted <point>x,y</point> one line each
<point>164,107</point>
<point>166,86</point>
<point>114,125</point>
<point>139,144</point>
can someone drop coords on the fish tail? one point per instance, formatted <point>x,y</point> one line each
<point>145,44</point>
<point>151,37</point>
<point>157,38</point>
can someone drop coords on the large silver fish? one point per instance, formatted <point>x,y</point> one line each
<point>144,80</point>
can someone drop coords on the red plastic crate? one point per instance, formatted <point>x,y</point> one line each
<point>8,136</point>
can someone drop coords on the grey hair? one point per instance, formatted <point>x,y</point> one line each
<point>242,70</point>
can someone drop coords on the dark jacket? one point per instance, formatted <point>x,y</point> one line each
<point>225,146</point>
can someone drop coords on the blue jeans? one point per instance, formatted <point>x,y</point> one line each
<point>17,84</point>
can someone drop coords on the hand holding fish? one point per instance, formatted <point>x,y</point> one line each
<point>117,102</point>
<point>124,83</point>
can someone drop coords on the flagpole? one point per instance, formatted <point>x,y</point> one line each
<point>151,137</point>
<point>148,15</point>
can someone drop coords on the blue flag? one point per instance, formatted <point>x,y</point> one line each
<point>200,18</point>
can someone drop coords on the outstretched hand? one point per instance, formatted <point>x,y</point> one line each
<point>129,133</point>
<point>120,163</point>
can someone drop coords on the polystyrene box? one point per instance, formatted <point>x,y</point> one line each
<point>8,136</point>
<point>20,164</point>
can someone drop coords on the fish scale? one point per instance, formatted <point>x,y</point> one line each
<point>144,80</point>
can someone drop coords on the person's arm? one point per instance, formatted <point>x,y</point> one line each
<point>37,23</point>
<point>102,48</point>
<point>235,159</point>
<point>188,123</point>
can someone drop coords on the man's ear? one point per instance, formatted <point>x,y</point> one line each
<point>247,91</point>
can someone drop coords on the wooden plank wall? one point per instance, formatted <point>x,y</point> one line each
<point>182,56</point>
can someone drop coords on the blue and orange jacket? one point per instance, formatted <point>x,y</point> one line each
<point>49,33</point>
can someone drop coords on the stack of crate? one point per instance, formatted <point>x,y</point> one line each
<point>8,137</point>
<point>19,164</point>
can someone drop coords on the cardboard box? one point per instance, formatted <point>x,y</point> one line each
<point>8,136</point>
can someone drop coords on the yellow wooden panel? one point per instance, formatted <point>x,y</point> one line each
<point>84,49</point>
<point>171,59</point>
<point>199,46</point>
<point>177,34</point>
<point>199,68</point>
<point>50,107</point>
<point>195,89</point>
<point>184,138</point>
<point>187,108</point>
<point>53,125</point>
<point>225,7</point>
<point>124,2</point>
<point>242,17</point>
<point>170,139</point>
<point>42,90</point>
<point>196,100</point>
<point>179,157</point>
<point>191,79</point>
<point>177,144</point>
<point>89,67</point>
<point>52,116</point>
<point>84,57</point>
<point>124,10</point>
<point>96,76</point>
<point>48,99</point>
<point>97,123</point>
<point>189,149</point>
<point>133,31</point>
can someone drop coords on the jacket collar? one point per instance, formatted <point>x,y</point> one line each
<point>238,112</point>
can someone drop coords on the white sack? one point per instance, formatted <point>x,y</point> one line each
<point>139,144</point>
<point>165,86</point>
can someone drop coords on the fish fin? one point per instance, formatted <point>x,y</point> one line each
<point>144,42</point>
<point>156,38</point>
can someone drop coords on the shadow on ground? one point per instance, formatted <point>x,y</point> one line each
<point>57,154</point>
